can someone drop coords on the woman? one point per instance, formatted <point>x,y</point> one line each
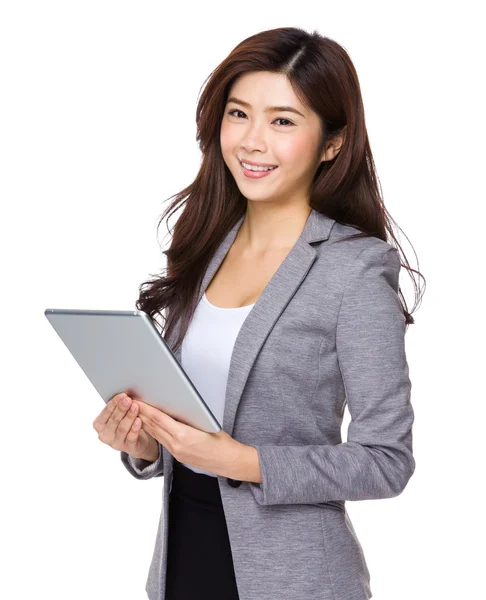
<point>282,305</point>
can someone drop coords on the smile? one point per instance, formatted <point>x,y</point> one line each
<point>256,172</point>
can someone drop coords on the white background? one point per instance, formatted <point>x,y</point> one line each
<point>97,116</point>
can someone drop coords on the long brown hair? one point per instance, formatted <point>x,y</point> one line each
<point>345,188</point>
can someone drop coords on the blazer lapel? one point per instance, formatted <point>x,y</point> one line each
<point>266,311</point>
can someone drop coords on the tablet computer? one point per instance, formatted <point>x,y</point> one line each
<point>122,351</point>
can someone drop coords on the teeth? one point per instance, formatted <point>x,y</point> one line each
<point>253,168</point>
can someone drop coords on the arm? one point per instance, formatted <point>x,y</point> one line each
<point>141,468</point>
<point>376,461</point>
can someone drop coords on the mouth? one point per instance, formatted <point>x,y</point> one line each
<point>257,168</point>
<point>258,173</point>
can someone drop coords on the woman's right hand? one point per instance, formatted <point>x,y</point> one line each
<point>118,426</point>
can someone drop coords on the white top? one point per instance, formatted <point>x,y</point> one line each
<point>206,353</point>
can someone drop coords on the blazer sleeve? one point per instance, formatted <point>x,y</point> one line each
<point>376,461</point>
<point>142,469</point>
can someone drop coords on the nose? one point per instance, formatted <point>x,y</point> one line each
<point>254,140</point>
<point>254,137</point>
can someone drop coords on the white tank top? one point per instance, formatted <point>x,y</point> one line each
<point>206,353</point>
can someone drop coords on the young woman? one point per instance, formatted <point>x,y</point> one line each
<point>283,305</point>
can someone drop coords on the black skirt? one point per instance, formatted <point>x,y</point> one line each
<point>199,559</point>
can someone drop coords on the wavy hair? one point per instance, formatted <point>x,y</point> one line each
<point>345,188</point>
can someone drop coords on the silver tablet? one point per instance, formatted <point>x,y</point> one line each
<point>122,351</point>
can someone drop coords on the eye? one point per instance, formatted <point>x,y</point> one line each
<point>236,110</point>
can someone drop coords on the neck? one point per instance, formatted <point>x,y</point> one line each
<point>267,229</point>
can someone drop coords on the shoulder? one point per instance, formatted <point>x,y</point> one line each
<point>357,245</point>
<point>369,250</point>
<point>363,264</point>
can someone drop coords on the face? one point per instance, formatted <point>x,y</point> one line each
<point>283,138</point>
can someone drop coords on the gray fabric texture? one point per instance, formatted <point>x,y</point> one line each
<point>326,332</point>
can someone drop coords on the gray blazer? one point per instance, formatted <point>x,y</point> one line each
<point>327,330</point>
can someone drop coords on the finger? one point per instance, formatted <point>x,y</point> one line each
<point>121,412</point>
<point>109,433</point>
<point>132,425</point>
<point>117,438</point>
<point>105,415</point>
<point>155,421</point>
<point>126,433</point>
<point>133,434</point>
<point>158,433</point>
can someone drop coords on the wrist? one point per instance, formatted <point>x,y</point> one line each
<point>247,465</point>
<point>152,452</point>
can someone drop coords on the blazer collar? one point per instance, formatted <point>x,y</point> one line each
<point>267,309</point>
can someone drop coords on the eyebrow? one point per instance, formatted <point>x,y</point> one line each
<point>268,109</point>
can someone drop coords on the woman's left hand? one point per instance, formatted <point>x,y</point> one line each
<point>213,452</point>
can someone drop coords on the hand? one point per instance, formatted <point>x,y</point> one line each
<point>212,452</point>
<point>119,427</point>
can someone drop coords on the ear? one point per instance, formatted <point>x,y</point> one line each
<point>334,145</point>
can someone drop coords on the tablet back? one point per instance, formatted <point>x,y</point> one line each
<point>122,351</point>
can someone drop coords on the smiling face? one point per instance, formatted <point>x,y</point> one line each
<point>252,130</point>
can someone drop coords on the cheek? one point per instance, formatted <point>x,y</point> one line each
<point>296,152</point>
<point>227,139</point>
